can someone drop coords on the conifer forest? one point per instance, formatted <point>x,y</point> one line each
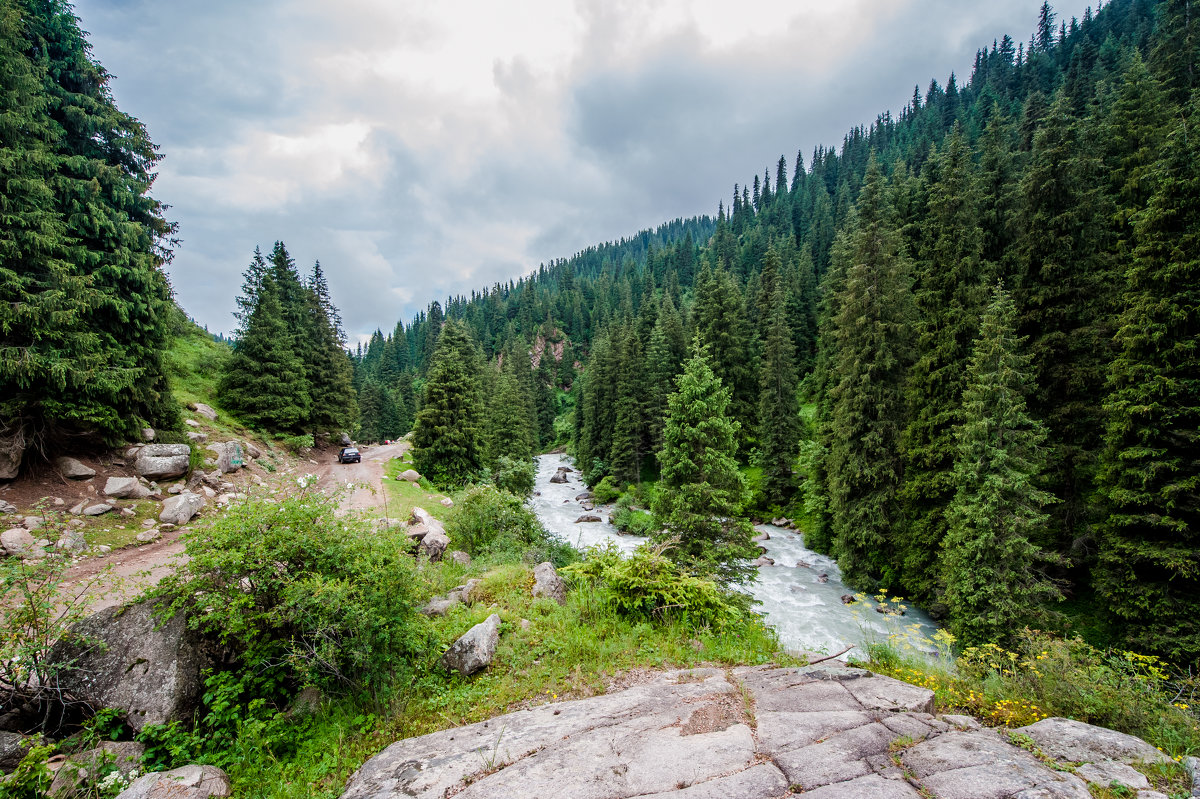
<point>962,348</point>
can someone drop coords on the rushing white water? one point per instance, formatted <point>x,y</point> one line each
<point>800,595</point>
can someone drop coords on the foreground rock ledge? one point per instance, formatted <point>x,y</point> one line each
<point>749,733</point>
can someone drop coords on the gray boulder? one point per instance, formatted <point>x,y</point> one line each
<point>587,519</point>
<point>197,438</point>
<point>434,543</point>
<point>410,475</point>
<point>126,658</point>
<point>180,508</point>
<point>1066,739</point>
<point>229,456</point>
<point>148,434</point>
<point>204,410</point>
<point>547,583</point>
<point>188,782</point>
<point>12,449</point>
<point>73,469</point>
<point>251,450</point>
<point>459,557</point>
<point>73,776</point>
<point>439,605</point>
<point>345,440</point>
<point>1107,772</point>
<point>125,488</point>
<point>13,746</point>
<point>559,477</point>
<point>475,650</point>
<point>19,543</point>
<point>71,541</point>
<point>7,507</point>
<point>161,461</point>
<point>98,509</point>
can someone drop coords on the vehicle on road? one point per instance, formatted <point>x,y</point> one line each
<point>349,455</point>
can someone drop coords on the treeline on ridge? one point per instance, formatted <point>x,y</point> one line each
<point>1024,241</point>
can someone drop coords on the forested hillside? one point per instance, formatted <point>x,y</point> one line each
<point>965,342</point>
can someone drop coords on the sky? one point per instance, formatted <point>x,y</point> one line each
<point>426,148</point>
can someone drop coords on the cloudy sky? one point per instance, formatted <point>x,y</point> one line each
<point>420,148</point>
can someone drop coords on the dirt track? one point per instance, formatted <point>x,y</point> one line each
<point>133,569</point>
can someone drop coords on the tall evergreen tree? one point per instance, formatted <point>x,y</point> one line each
<point>778,408</point>
<point>702,492</point>
<point>1149,566</point>
<point>448,438</point>
<point>989,561</point>
<point>871,333</point>
<point>329,373</point>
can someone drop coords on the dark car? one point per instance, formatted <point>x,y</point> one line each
<point>349,455</point>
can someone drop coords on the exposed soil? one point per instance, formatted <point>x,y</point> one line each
<point>366,477</point>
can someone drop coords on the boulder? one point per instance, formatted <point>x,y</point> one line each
<point>229,456</point>
<point>98,509</point>
<point>32,522</point>
<point>410,475</point>
<point>559,477</point>
<point>73,776</point>
<point>126,658</point>
<point>474,651</point>
<point>1066,739</point>
<point>180,508</point>
<point>71,541</point>
<point>848,599</point>
<point>345,440</point>
<point>148,536</point>
<point>197,438</point>
<point>587,518</point>
<point>439,605</point>
<point>125,488</point>
<point>547,583</point>
<point>459,557</point>
<point>434,543</point>
<point>447,502</point>
<point>73,469</point>
<point>191,422</point>
<point>1107,772</point>
<point>19,543</point>
<point>251,450</point>
<point>188,782</point>
<point>7,507</point>
<point>584,496</point>
<point>763,536</point>
<point>204,410</point>
<point>160,461</point>
<point>12,449</point>
<point>763,560</point>
<point>13,746</point>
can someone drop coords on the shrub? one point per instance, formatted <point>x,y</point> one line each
<point>515,475</point>
<point>303,596</point>
<point>606,491</point>
<point>488,521</point>
<point>629,519</point>
<point>649,585</point>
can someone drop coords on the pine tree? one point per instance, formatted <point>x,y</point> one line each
<point>702,493</point>
<point>721,324</point>
<point>1149,565</point>
<point>989,562</point>
<point>264,379</point>
<point>778,409</point>
<point>448,438</point>
<point>871,354</point>
<point>329,373</point>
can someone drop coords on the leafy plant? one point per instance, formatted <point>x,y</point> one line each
<point>606,491</point>
<point>515,475</point>
<point>488,521</point>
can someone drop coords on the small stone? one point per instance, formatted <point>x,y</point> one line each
<point>71,541</point>
<point>197,438</point>
<point>191,422</point>
<point>175,489</point>
<point>147,433</point>
<point>449,503</point>
<point>33,522</point>
<point>148,536</point>
<point>128,512</point>
<point>147,522</point>
<point>104,549</point>
<point>7,507</point>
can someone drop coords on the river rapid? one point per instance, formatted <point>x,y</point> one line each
<point>800,596</point>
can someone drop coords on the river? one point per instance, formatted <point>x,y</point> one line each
<point>800,596</point>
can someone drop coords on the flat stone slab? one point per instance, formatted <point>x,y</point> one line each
<point>828,731</point>
<point>1066,739</point>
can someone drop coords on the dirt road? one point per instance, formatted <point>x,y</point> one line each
<point>365,477</point>
<point>123,574</point>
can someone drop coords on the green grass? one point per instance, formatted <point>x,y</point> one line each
<point>568,652</point>
<point>403,496</point>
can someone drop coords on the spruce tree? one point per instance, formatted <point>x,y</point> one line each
<point>989,561</point>
<point>721,324</point>
<point>702,493</point>
<point>778,408</point>
<point>1149,565</point>
<point>866,387</point>
<point>264,381</point>
<point>448,438</point>
<point>328,371</point>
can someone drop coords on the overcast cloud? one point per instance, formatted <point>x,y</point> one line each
<point>421,149</point>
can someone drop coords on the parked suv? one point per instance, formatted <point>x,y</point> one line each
<point>349,455</point>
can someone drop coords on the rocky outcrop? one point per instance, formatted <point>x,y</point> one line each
<point>429,532</point>
<point>547,583</point>
<point>73,469</point>
<point>188,782</point>
<point>13,746</point>
<point>125,658</point>
<point>19,543</point>
<point>830,732</point>
<point>125,488</point>
<point>180,508</point>
<point>161,461</point>
<point>1066,739</point>
<point>434,543</point>
<point>475,650</point>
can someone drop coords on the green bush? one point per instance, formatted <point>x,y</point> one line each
<point>515,475</point>
<point>488,521</point>
<point>606,491</point>
<point>629,519</point>
<point>649,585</point>
<point>303,596</point>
